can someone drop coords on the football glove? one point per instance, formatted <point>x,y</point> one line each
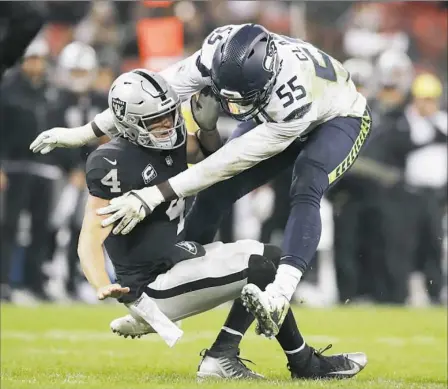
<point>131,208</point>
<point>205,109</point>
<point>62,137</point>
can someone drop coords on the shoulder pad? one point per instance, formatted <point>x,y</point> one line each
<point>210,44</point>
<point>103,174</point>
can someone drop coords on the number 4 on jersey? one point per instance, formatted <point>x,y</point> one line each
<point>111,180</point>
<point>177,210</point>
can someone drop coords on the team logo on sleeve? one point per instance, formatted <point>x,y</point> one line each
<point>270,57</point>
<point>188,246</point>
<point>119,108</point>
<point>149,174</point>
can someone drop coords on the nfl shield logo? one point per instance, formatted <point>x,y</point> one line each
<point>119,107</point>
<point>169,160</point>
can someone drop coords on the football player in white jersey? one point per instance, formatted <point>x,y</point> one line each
<point>298,106</point>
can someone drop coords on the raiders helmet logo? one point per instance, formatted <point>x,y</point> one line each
<point>119,108</point>
<point>270,57</point>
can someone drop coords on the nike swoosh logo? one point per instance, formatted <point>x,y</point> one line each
<point>114,162</point>
<point>356,369</point>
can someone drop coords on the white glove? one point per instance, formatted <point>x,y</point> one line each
<point>205,109</point>
<point>131,208</point>
<point>62,137</point>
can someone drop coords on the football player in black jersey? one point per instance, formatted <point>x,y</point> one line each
<point>160,277</point>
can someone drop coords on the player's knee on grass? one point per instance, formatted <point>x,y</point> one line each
<point>261,271</point>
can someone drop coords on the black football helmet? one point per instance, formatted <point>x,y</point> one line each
<point>244,70</point>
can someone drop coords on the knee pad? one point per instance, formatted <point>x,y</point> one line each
<point>273,253</point>
<point>261,271</point>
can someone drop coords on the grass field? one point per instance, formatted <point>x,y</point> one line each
<point>71,347</point>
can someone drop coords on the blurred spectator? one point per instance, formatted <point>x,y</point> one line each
<point>78,103</point>
<point>25,106</point>
<point>426,178</point>
<point>367,36</point>
<point>361,73</point>
<point>349,199</point>
<point>389,240</point>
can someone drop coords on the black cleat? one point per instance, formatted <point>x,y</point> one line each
<point>311,364</point>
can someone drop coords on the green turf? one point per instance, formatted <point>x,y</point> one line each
<point>71,347</point>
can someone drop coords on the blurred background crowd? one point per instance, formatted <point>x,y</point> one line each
<point>384,225</point>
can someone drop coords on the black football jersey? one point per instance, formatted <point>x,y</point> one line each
<point>120,166</point>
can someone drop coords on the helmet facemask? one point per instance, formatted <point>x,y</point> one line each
<point>247,107</point>
<point>164,130</point>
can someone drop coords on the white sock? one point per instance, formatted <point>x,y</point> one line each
<point>297,350</point>
<point>286,281</point>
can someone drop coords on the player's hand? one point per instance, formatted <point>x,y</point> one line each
<point>205,109</point>
<point>131,208</point>
<point>57,137</point>
<point>113,290</point>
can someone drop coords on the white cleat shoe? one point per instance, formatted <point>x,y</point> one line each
<point>130,326</point>
<point>225,365</point>
<point>270,311</point>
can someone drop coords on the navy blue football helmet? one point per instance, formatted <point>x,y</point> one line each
<point>244,70</point>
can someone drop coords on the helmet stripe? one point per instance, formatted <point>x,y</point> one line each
<point>153,82</point>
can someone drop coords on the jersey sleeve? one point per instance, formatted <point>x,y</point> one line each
<point>263,142</point>
<point>104,176</point>
<point>104,121</point>
<point>187,76</point>
<point>193,73</point>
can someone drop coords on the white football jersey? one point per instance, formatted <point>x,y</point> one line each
<point>310,82</point>
<point>311,88</point>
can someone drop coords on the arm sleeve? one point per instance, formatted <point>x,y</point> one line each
<point>263,142</point>
<point>188,76</point>
<point>104,121</point>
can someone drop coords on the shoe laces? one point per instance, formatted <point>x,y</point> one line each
<point>333,363</point>
<point>318,353</point>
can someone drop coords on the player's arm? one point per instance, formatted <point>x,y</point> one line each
<point>91,254</point>
<point>75,137</point>
<point>263,142</point>
<point>103,184</point>
<point>239,154</point>
<point>187,76</point>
